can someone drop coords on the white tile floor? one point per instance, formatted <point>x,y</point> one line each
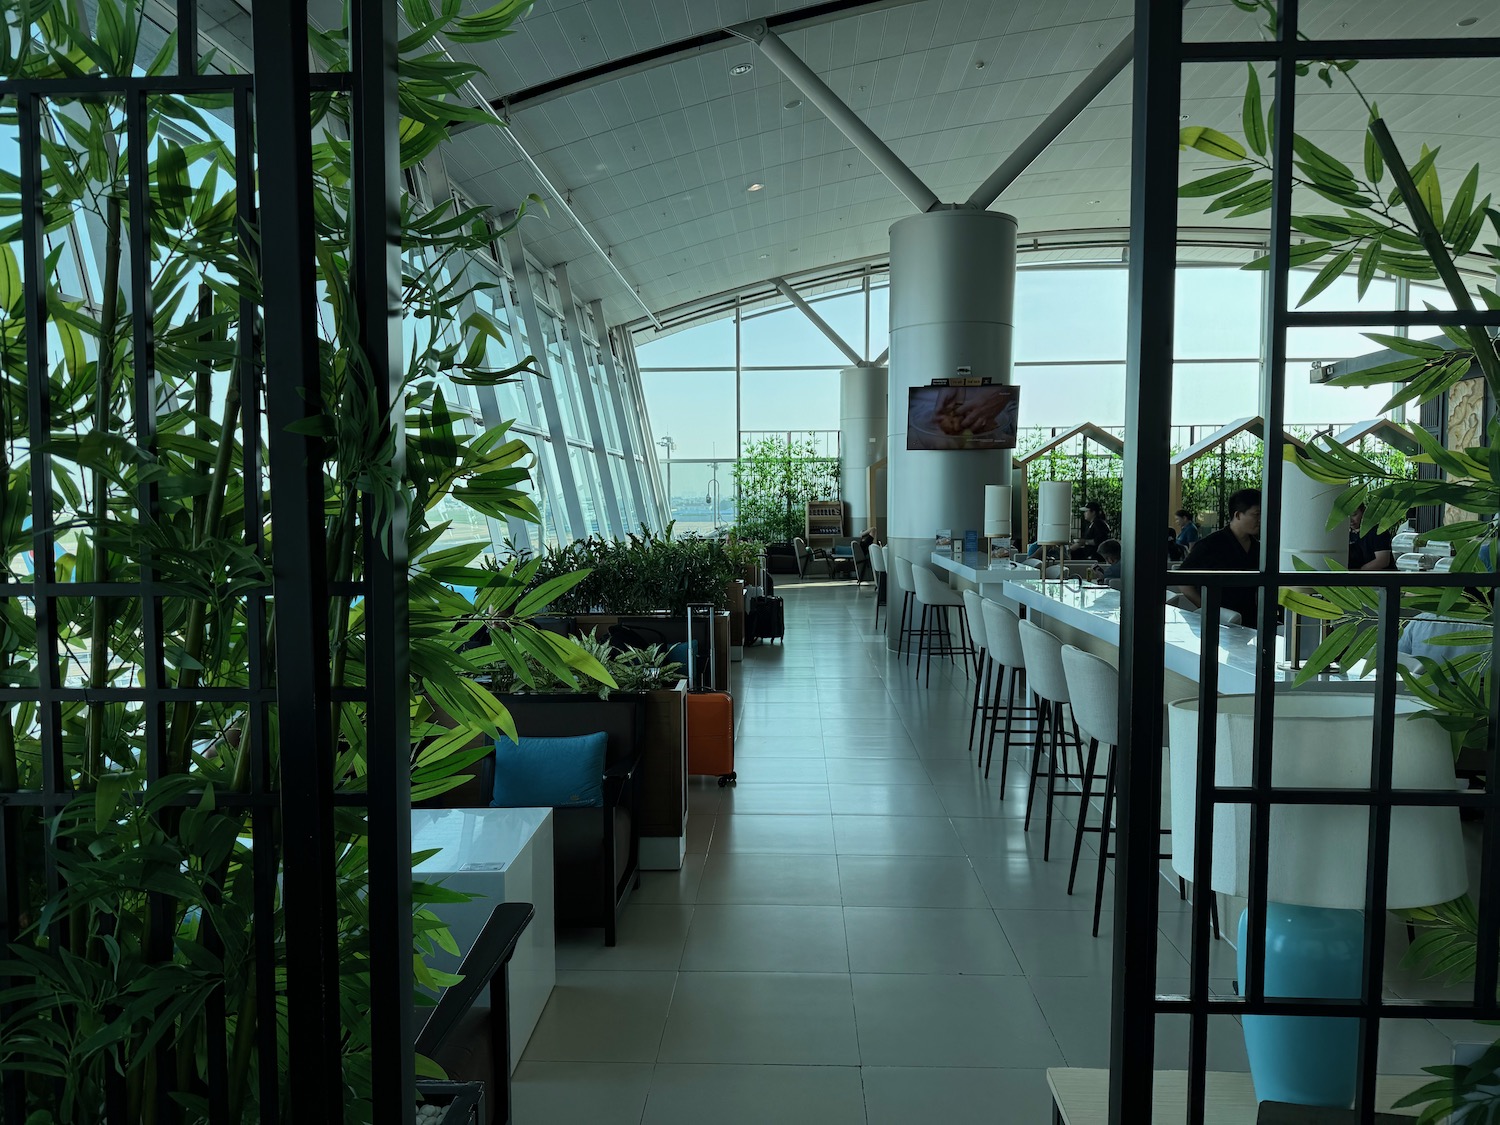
<point>862,932</point>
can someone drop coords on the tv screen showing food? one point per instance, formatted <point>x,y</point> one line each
<point>962,417</point>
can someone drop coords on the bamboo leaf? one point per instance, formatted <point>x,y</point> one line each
<point>1215,183</point>
<point>1374,161</point>
<point>1326,276</point>
<point>1211,142</point>
<point>1254,123</point>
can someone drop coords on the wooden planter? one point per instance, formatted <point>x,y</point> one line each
<point>667,629</point>
<point>664,780</point>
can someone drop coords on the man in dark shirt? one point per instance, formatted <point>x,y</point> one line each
<point>1369,548</point>
<point>1095,531</point>
<point>1235,546</point>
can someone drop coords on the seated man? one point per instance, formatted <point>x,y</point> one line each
<point>1236,546</point>
<point>1109,556</point>
<point>1369,547</point>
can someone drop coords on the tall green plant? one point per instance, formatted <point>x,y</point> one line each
<point>1392,215</point>
<point>100,982</point>
<point>775,478</point>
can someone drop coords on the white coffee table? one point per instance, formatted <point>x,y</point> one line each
<point>501,855</point>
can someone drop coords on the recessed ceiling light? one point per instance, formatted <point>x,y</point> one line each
<point>794,103</point>
<point>763,257</point>
<point>1185,116</point>
<point>1096,202</point>
<point>755,187</point>
<point>741,68</point>
<point>1468,21</point>
<point>979,64</point>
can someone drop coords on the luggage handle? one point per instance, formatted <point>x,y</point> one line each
<point>694,681</point>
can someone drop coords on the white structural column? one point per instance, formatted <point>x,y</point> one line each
<point>863,394</point>
<point>953,277</point>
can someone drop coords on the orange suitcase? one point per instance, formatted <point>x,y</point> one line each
<point>710,714</point>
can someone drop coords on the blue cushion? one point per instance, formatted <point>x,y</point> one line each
<point>560,773</point>
<point>679,653</point>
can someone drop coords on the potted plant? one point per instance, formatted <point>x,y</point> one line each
<point>1392,215</point>
<point>154,938</point>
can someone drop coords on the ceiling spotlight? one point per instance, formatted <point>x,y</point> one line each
<point>755,187</point>
<point>1096,202</point>
<point>1185,116</point>
<point>1468,21</point>
<point>794,103</point>
<point>979,64</point>
<point>741,68</point>
<point>763,257</point>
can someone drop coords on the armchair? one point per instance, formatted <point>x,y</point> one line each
<point>807,558</point>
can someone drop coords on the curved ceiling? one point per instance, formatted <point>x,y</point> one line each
<point>631,110</point>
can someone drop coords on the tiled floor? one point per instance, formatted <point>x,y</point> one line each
<point>862,932</point>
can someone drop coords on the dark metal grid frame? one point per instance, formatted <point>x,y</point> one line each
<point>291,808</point>
<point>1161,54</point>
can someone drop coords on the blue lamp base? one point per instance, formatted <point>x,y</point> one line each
<point>1310,951</point>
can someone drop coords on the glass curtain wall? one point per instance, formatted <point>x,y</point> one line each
<point>711,385</point>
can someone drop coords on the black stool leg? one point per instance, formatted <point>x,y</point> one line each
<point>1010,715</point>
<point>1057,747</point>
<point>902,637</point>
<point>1104,834</point>
<point>1083,811</point>
<point>980,683</point>
<point>1036,764</point>
<point>923,641</point>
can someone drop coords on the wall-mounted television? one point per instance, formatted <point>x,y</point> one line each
<point>962,417</point>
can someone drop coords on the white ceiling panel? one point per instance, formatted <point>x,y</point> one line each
<point>656,163</point>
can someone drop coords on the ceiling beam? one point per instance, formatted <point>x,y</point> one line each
<point>844,119</point>
<point>879,361</point>
<point>1052,127</point>
<point>818,322</point>
<point>813,15</point>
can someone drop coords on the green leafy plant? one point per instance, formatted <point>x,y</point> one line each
<point>630,670</point>
<point>647,572</point>
<point>1393,216</point>
<point>153,912</point>
<point>775,478</point>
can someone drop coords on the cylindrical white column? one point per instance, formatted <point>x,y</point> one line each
<point>862,441</point>
<point>952,300</point>
<point>1306,505</point>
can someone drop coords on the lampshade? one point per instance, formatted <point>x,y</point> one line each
<point>997,509</point>
<point>1323,741</point>
<point>1055,512</point>
<point>1305,507</point>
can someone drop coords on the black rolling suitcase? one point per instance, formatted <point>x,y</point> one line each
<point>765,619</point>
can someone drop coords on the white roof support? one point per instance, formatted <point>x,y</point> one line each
<point>879,361</point>
<point>844,119</point>
<point>818,322</point>
<point>1052,127</point>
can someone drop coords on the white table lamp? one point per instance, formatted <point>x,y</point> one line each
<point>996,513</point>
<point>1054,517</point>
<point>1316,889</point>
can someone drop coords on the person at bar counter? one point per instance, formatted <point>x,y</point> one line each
<point>1188,531</point>
<point>1110,552</point>
<point>1369,547</point>
<point>1235,546</point>
<point>1095,531</point>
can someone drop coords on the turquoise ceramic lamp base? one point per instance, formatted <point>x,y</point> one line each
<point>1310,951</point>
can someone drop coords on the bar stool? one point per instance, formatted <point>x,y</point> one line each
<point>1049,686</point>
<point>1094,686</point>
<point>979,713</point>
<point>937,598</point>
<point>1002,629</point>
<point>901,568</point>
<point>877,564</point>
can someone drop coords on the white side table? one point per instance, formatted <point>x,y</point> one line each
<point>502,855</point>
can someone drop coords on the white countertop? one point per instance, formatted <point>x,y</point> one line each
<point>1095,610</point>
<point>976,567</point>
<point>472,839</point>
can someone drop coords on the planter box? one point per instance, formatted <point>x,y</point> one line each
<point>664,780</point>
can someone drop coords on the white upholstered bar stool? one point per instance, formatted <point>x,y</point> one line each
<point>935,637</point>
<point>1049,685</point>
<point>901,569</point>
<point>979,712</point>
<point>1002,631</point>
<point>877,564</point>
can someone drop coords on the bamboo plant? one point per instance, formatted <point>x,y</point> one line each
<point>1391,214</point>
<point>104,989</point>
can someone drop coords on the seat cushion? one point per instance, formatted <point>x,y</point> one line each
<point>559,772</point>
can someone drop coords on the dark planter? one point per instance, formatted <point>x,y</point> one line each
<point>660,628</point>
<point>462,1102</point>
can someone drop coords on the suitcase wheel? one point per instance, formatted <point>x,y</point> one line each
<point>726,778</point>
